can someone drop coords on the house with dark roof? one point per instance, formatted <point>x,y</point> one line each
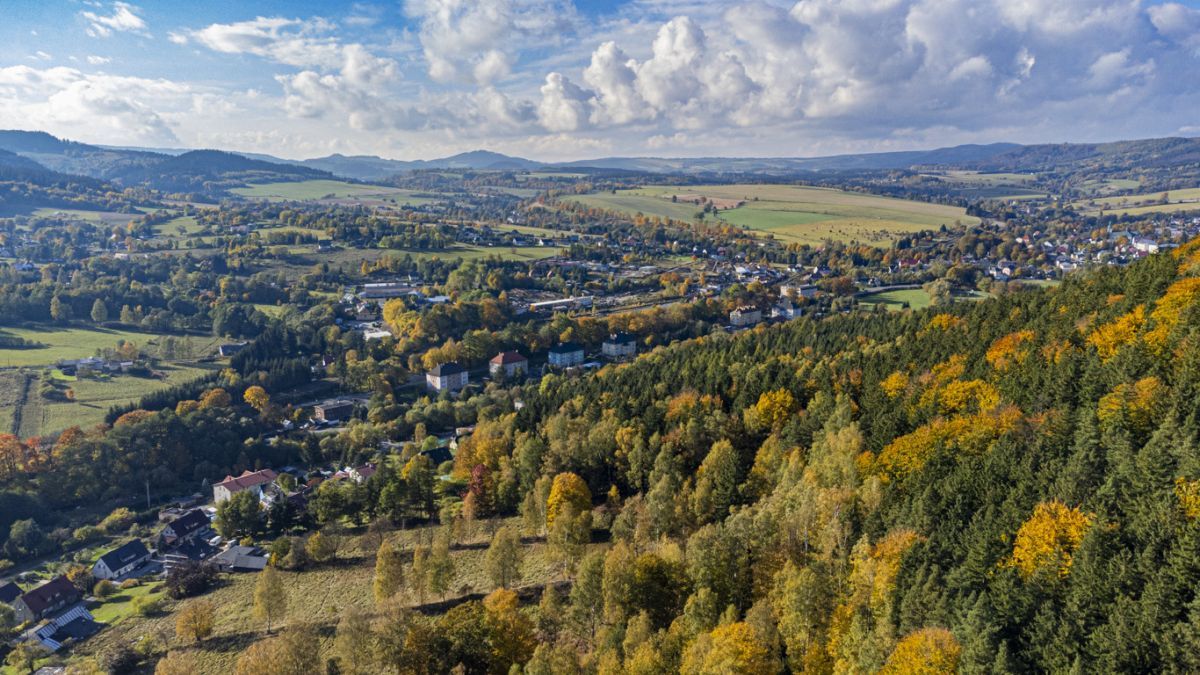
<point>566,355</point>
<point>249,480</point>
<point>121,561</point>
<point>45,599</point>
<point>9,592</point>
<point>619,346</point>
<point>447,377</point>
<point>185,528</point>
<point>333,411</point>
<point>508,364</point>
<point>240,559</point>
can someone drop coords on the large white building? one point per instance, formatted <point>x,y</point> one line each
<point>508,364</point>
<point>619,346</point>
<point>745,316</point>
<point>249,480</point>
<point>447,377</point>
<point>566,355</point>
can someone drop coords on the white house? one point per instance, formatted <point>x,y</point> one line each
<point>745,316</point>
<point>121,561</point>
<point>619,346</point>
<point>249,480</point>
<point>508,364</point>
<point>566,355</point>
<point>447,377</point>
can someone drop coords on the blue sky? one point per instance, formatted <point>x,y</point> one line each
<point>565,79</point>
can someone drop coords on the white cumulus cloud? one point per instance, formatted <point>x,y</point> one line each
<point>123,19</point>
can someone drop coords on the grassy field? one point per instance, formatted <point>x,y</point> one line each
<point>792,213</point>
<point>182,226</point>
<point>11,385</point>
<point>1155,202</point>
<point>93,398</point>
<point>523,253</point>
<point>335,191</point>
<point>317,595</point>
<point>270,310</point>
<point>120,606</point>
<point>894,300</point>
<point>105,217</point>
<point>632,203</point>
<point>75,343</point>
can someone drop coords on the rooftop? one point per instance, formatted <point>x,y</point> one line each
<point>248,479</point>
<point>446,369</point>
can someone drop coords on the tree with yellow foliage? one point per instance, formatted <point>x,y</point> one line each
<point>256,397</point>
<point>928,651</point>
<point>729,650</point>
<point>1046,542</point>
<point>567,492</point>
<point>772,411</point>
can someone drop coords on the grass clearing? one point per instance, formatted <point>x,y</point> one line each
<point>120,606</point>
<point>93,398</point>
<point>182,226</point>
<point>895,300</point>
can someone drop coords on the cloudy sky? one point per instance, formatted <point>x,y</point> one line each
<point>569,79</point>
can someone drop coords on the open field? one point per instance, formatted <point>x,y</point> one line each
<point>792,213</point>
<point>93,398</point>
<point>976,185</point>
<point>1156,202</point>
<point>332,191</point>
<point>476,252</point>
<point>317,595</point>
<point>895,300</point>
<point>178,227</point>
<point>99,217</point>
<point>76,343</point>
<point>12,384</point>
<point>632,203</point>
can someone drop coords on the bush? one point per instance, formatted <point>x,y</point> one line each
<point>87,533</point>
<point>147,605</point>
<point>130,583</point>
<point>104,589</point>
<point>117,521</point>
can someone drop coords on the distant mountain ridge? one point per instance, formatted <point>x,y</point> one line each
<point>214,170</point>
<point>200,171</point>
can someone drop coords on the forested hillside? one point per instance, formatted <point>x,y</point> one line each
<point>1012,486</point>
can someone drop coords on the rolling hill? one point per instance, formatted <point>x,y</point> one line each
<point>202,171</point>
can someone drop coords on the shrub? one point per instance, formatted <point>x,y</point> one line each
<point>130,583</point>
<point>117,521</point>
<point>104,589</point>
<point>87,533</point>
<point>147,605</point>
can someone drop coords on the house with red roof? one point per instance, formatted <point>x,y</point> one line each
<point>249,480</point>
